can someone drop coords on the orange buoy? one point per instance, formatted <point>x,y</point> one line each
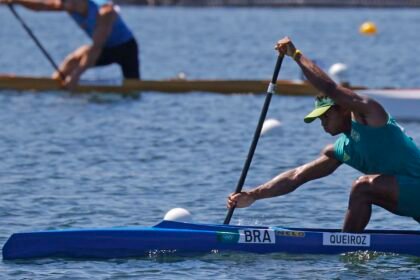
<point>368,28</point>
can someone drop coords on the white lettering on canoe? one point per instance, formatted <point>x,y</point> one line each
<point>264,236</point>
<point>345,239</point>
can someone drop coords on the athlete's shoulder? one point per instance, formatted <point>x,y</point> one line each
<point>328,151</point>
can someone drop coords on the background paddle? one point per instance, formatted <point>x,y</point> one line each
<point>270,91</point>
<point>31,34</point>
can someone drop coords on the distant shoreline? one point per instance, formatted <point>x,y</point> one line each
<point>279,3</point>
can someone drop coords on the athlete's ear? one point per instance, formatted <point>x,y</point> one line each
<point>346,110</point>
<point>342,110</point>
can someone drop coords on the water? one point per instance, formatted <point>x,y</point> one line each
<point>81,162</point>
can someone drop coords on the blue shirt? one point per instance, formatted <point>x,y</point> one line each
<point>120,32</point>
<point>379,150</point>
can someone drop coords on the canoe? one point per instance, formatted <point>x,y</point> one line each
<point>402,104</point>
<point>174,237</point>
<point>286,87</point>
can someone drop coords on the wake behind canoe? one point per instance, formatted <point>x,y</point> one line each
<point>179,237</point>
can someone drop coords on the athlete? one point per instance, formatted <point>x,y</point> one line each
<point>112,40</point>
<point>371,141</point>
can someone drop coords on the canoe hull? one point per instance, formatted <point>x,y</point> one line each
<point>184,238</point>
<point>132,86</point>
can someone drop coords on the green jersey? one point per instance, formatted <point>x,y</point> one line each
<point>383,150</point>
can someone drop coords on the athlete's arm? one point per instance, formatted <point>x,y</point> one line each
<point>47,5</point>
<point>289,181</point>
<point>366,110</point>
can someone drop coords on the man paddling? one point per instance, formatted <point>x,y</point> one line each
<point>371,141</point>
<point>112,40</point>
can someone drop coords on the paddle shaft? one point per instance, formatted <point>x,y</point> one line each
<point>31,34</point>
<point>270,91</point>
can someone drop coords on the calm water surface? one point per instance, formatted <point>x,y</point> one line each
<point>85,162</point>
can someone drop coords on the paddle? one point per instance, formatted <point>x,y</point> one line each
<point>31,34</point>
<point>270,91</point>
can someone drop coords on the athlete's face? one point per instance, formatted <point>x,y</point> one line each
<point>334,121</point>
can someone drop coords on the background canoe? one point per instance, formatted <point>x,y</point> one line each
<point>286,87</point>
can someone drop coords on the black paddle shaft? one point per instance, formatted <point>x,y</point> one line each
<point>270,91</point>
<point>31,34</point>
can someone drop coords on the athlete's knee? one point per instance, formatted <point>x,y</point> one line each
<point>71,60</point>
<point>77,54</point>
<point>82,50</point>
<point>361,188</point>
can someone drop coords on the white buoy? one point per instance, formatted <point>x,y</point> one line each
<point>178,215</point>
<point>181,76</point>
<point>269,124</point>
<point>338,72</point>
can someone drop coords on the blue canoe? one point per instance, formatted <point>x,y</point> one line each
<point>180,237</point>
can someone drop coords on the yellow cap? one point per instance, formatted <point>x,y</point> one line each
<point>321,106</point>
